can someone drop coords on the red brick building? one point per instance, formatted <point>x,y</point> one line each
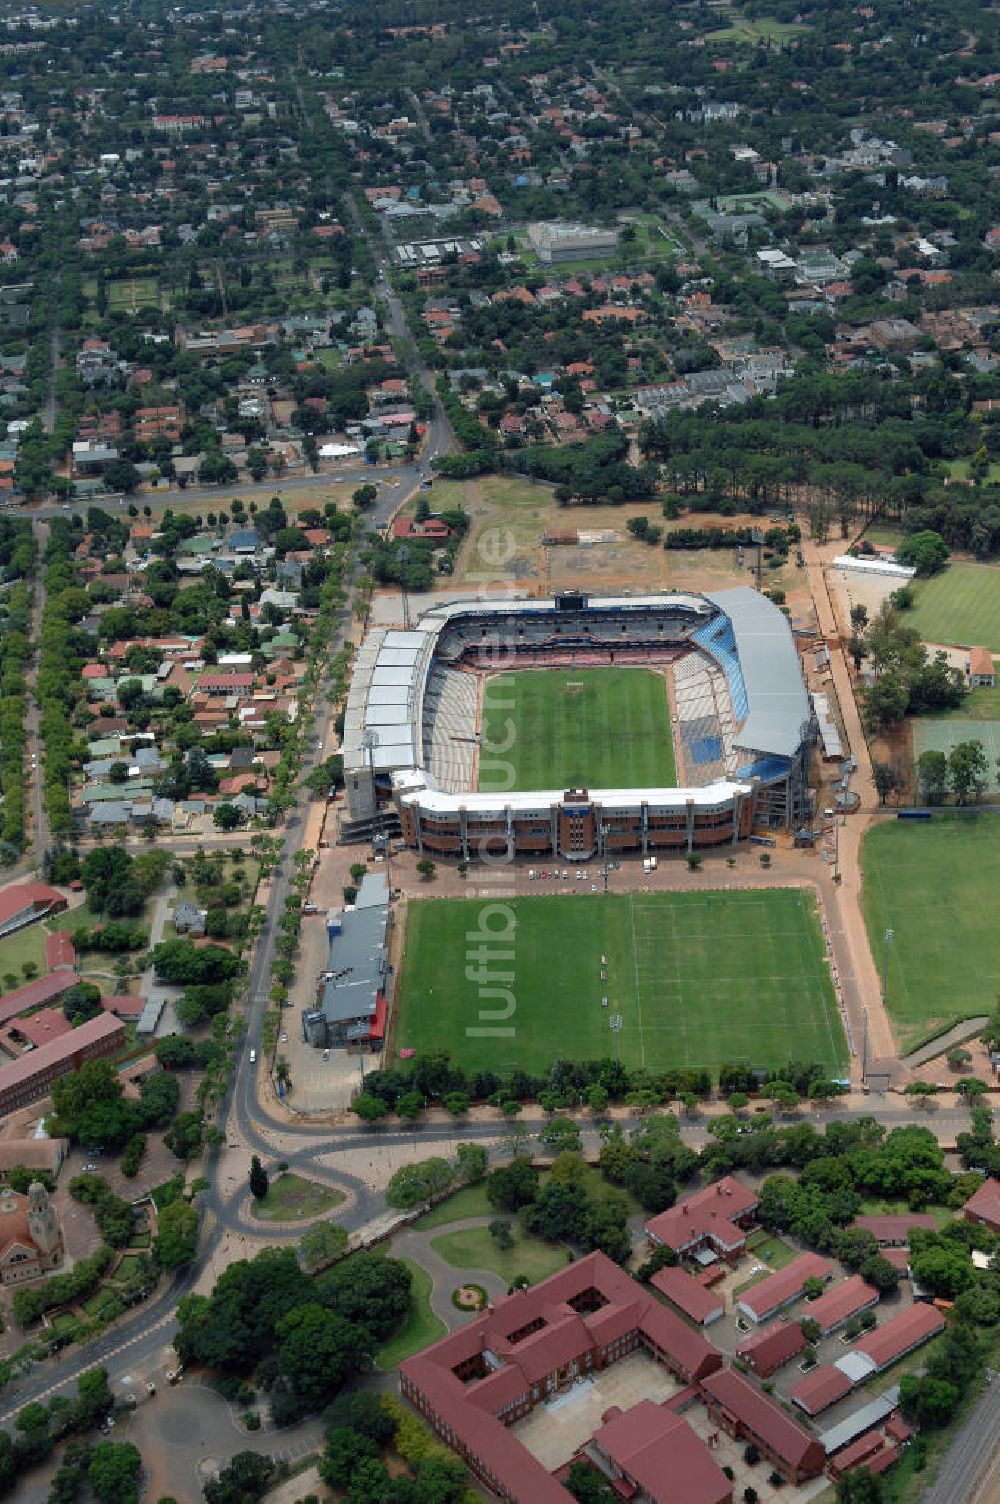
<point>30,1077</point>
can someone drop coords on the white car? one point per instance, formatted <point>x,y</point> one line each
<point>284,1038</point>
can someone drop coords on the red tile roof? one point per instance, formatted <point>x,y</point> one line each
<point>62,1049</point>
<point>42,990</point>
<point>24,895</point>
<point>687,1295</point>
<point>820,1389</point>
<point>984,1204</point>
<point>771,1348</point>
<point>59,950</point>
<point>470,1409</point>
<point>907,1330</point>
<point>759,1415</point>
<point>710,1213</point>
<point>841,1303</point>
<point>857,1452</point>
<point>895,1229</point>
<point>660,1453</point>
<point>42,1027</point>
<point>981,661</point>
<point>785,1286</point>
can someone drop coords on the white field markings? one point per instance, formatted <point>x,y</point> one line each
<point>690,949</point>
<point>637,989</point>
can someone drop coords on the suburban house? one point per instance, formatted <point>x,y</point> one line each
<point>981,669</point>
<point>983,1206</point>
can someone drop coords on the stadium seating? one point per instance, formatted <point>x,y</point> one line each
<point>716,638</point>
<point>449,729</point>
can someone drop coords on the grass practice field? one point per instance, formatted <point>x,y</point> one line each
<point>934,884</point>
<point>959,605</point>
<point>698,979</point>
<point>579,728</point>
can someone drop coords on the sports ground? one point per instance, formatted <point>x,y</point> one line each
<point>698,979</point>
<point>961,605</point>
<point>586,728</point>
<point>934,884</point>
<point>943,733</point>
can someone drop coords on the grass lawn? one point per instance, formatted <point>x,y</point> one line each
<point>24,945</point>
<point>560,726</point>
<point>420,1328</point>
<point>139,1240</point>
<point>772,1251</point>
<point>470,1201</point>
<point>873,1206</point>
<point>959,470</point>
<point>960,605</point>
<point>934,884</point>
<point>473,1248</point>
<point>291,1197</point>
<point>698,979</point>
<point>138,292</point>
<point>128,1266</point>
<point>761,28</point>
<point>978,705</point>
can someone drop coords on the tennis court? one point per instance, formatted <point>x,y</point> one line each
<point>941,734</point>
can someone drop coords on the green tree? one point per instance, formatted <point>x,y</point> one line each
<point>932,776</point>
<point>259,1182</point>
<point>884,780</point>
<point>321,1246</point>
<point>177,1235</point>
<point>245,1479</point>
<point>317,1351</point>
<point>968,770</point>
<point>114,1472</point>
<point>926,552</point>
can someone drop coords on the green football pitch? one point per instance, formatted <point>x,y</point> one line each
<point>960,605</point>
<point>585,728</point>
<point>934,884</point>
<point>697,979</point>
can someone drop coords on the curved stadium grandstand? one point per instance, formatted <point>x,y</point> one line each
<point>580,727</point>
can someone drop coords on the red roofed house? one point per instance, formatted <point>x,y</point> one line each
<point>768,1350</point>
<point>472,1385</point>
<point>431,527</point>
<point>657,1456</point>
<point>983,1206</point>
<point>746,1412</point>
<point>982,671</point>
<point>24,903</point>
<point>764,1299</point>
<point>688,1295</point>
<point>849,1298</point>
<point>712,1221</point>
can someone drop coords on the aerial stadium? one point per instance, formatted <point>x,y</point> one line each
<point>480,729</point>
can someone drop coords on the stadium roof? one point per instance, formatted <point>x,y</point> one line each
<point>769,660</point>
<point>434,801</point>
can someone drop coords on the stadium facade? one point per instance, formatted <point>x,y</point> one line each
<point>742,723</point>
